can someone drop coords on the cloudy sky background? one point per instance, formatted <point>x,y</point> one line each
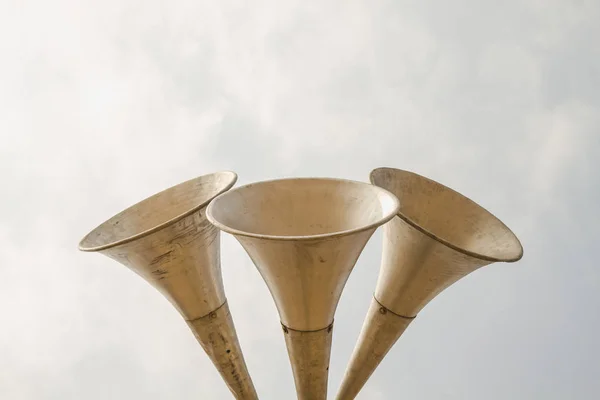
<point>105,103</point>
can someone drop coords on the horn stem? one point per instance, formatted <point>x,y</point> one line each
<point>380,331</point>
<point>309,353</point>
<point>216,334</point>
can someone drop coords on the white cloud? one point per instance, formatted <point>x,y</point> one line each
<point>103,104</point>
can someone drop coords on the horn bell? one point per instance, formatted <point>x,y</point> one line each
<point>438,237</point>
<point>304,235</point>
<point>167,240</point>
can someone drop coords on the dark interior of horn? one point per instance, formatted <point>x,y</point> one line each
<point>449,216</point>
<point>155,211</point>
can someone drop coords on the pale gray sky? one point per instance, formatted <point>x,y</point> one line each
<point>105,103</point>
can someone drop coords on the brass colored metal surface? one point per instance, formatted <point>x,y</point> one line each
<point>438,237</point>
<point>310,352</point>
<point>306,278</point>
<point>304,236</point>
<point>216,333</point>
<point>381,330</point>
<point>415,268</point>
<point>167,240</point>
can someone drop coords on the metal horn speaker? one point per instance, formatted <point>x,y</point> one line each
<point>167,240</point>
<point>438,237</point>
<point>304,236</point>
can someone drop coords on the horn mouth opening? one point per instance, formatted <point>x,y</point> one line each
<point>449,217</point>
<point>158,211</point>
<point>302,208</point>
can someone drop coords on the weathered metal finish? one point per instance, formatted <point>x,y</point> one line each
<point>306,277</point>
<point>216,333</point>
<point>380,331</point>
<point>311,362</point>
<point>167,240</point>
<point>415,268</point>
<point>304,236</point>
<point>438,237</point>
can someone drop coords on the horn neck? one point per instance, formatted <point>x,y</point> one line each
<point>438,237</point>
<point>167,240</point>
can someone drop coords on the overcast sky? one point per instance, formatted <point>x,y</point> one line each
<point>103,103</point>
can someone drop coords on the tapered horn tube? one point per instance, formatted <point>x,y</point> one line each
<point>304,236</point>
<point>438,237</point>
<point>167,240</point>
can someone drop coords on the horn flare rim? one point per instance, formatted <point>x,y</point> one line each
<point>232,179</point>
<point>387,214</point>
<point>446,242</point>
